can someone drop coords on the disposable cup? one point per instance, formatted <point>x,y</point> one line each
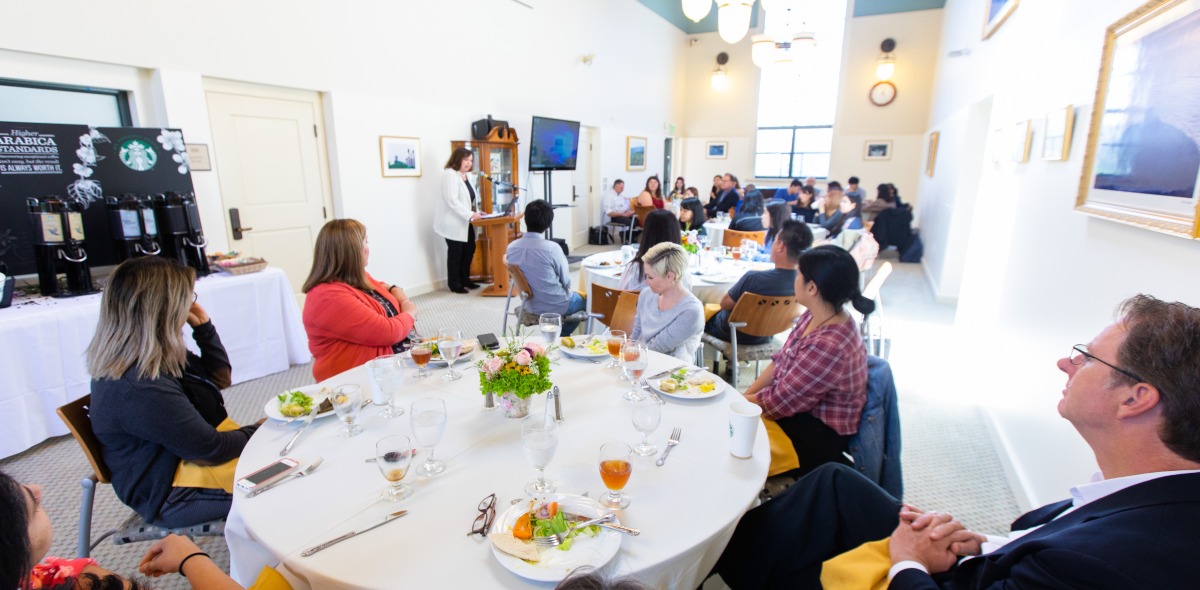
<point>744,418</point>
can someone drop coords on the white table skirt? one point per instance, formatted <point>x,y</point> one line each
<point>687,509</point>
<point>42,342</point>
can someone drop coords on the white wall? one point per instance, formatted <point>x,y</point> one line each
<point>729,115</point>
<point>426,69</point>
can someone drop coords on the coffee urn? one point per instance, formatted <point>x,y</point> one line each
<point>59,246</point>
<point>134,228</point>
<point>179,230</point>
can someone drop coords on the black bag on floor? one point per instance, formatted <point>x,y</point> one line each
<point>914,250</point>
<point>598,236</point>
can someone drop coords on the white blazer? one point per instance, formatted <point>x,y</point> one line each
<point>453,213</point>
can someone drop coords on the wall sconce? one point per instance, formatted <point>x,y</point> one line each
<point>719,79</point>
<point>886,66</point>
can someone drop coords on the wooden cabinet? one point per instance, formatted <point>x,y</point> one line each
<point>496,157</point>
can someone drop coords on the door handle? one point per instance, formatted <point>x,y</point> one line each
<point>235,224</point>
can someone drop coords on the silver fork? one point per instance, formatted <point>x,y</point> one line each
<point>556,539</point>
<point>671,442</point>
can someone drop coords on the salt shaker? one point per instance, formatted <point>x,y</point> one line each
<point>489,401</point>
<point>554,394</point>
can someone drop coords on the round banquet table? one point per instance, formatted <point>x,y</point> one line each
<point>705,290</point>
<point>686,509</point>
<point>714,230</point>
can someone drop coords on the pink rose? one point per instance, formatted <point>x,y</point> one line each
<point>535,348</point>
<point>523,358</point>
<point>492,365</point>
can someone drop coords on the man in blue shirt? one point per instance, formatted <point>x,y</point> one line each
<point>794,238</point>
<point>791,193</point>
<point>856,194</point>
<point>545,267</point>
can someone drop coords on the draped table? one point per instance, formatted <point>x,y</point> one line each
<point>42,342</point>
<point>686,509</point>
<point>705,290</point>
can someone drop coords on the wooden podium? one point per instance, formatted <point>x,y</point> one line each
<point>497,233</point>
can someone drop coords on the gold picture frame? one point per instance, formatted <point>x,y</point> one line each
<point>635,153</point>
<point>1056,137</point>
<point>931,154</point>
<point>399,156</point>
<point>1022,139</point>
<point>995,13</point>
<point>1141,161</point>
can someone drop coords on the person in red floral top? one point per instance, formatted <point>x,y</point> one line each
<point>816,385</point>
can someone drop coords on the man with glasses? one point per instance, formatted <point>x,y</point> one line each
<point>1133,394</point>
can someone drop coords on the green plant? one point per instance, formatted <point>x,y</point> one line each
<point>521,368</point>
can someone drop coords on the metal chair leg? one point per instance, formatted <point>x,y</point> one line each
<point>507,302</point>
<point>84,545</point>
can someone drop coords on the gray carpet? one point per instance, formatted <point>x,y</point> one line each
<point>949,461</point>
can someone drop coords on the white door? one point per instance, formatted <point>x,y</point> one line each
<point>581,191</point>
<point>273,172</point>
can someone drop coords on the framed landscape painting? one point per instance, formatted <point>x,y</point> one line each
<point>1142,158</point>
<point>1056,138</point>
<point>877,150</point>
<point>635,153</point>
<point>995,13</point>
<point>400,156</point>
<point>716,150</point>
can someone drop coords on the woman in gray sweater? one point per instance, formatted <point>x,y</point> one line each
<point>669,318</point>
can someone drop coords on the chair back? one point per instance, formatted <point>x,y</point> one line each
<point>625,311</point>
<point>765,315</point>
<point>881,275</point>
<point>79,422</point>
<point>733,238</point>
<point>641,212</point>
<point>604,302</point>
<point>877,444</point>
<point>518,279</point>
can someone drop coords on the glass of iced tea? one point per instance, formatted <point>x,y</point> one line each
<point>615,468</point>
<point>392,455</point>
<point>615,339</point>
<point>736,253</point>
<point>421,355</point>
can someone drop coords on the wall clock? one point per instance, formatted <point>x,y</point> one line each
<point>882,94</point>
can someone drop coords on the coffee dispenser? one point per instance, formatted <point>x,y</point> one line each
<point>134,228</point>
<point>59,246</point>
<point>180,231</point>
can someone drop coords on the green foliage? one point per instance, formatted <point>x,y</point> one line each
<point>522,381</point>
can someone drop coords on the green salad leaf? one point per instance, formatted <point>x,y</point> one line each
<point>294,404</point>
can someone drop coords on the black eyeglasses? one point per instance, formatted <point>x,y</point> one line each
<point>1079,352</point>
<point>487,512</point>
<point>195,297</point>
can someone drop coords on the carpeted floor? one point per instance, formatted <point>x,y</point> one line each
<point>949,461</point>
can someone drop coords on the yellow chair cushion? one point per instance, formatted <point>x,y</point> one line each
<point>269,579</point>
<point>710,310</point>
<point>863,568</point>
<point>191,475</point>
<point>783,454</point>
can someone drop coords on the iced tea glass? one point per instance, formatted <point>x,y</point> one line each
<point>615,468</point>
<point>615,339</point>
<point>421,355</point>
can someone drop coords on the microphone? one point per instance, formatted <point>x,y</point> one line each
<point>483,174</point>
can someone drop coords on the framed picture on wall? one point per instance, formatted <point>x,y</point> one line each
<point>1142,158</point>
<point>1056,138</point>
<point>1022,136</point>
<point>931,155</point>
<point>995,12</point>
<point>716,150</point>
<point>635,153</point>
<point>877,149</point>
<point>400,156</point>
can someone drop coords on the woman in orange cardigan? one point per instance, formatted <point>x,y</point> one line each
<point>350,317</point>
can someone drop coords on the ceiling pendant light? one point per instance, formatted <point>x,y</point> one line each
<point>733,19</point>
<point>762,50</point>
<point>696,10</point>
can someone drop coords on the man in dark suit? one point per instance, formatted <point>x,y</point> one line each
<point>1134,396</point>
<point>728,198</point>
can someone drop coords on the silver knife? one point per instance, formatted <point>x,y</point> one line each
<point>667,372</point>
<point>332,542</point>
<point>307,421</point>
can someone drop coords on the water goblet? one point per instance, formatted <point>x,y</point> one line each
<point>615,468</point>
<point>387,377</point>
<point>634,358</point>
<point>346,401</point>
<point>550,326</point>
<point>428,419</point>
<point>647,413</point>
<point>392,455</point>
<point>539,438</point>
<point>421,355</point>
<point>615,339</point>
<point>450,343</point>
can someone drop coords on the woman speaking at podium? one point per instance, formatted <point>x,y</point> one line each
<point>452,220</point>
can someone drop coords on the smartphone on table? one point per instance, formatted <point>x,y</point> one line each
<point>268,474</point>
<point>488,341</point>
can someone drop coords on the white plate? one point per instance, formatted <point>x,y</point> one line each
<point>313,391</point>
<point>691,391</point>
<point>600,263</point>
<point>718,279</point>
<point>581,352</point>
<point>555,564</point>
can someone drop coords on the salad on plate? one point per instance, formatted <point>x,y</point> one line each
<point>591,346</point>
<point>688,383</point>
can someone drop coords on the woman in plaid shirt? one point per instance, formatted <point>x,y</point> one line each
<point>816,385</point>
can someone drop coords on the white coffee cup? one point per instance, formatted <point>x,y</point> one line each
<point>743,427</point>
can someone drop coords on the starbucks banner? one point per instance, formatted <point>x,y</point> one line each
<point>84,164</point>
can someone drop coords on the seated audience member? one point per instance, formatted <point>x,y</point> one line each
<point>616,205</point>
<point>1133,394</point>
<point>803,207</point>
<point>155,405</point>
<point>793,239</point>
<point>895,192</point>
<point>816,386</point>
<point>587,578</point>
<point>883,200</point>
<point>715,191</point>
<point>837,212</point>
<point>691,212</point>
<point>669,318</point>
<point>791,193</point>
<point>678,194</point>
<point>652,195</point>
<point>351,317</point>
<point>856,194</point>
<point>26,533</point>
<point>661,227</point>
<point>750,216</point>
<point>812,183</point>
<point>727,199</point>
<point>773,219</point>
<point>545,267</point>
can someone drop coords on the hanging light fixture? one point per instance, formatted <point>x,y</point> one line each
<point>719,79</point>
<point>733,19</point>
<point>762,50</point>
<point>696,10</point>
<point>886,66</point>
<point>774,5</point>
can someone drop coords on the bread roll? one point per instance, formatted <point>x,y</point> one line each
<point>514,546</point>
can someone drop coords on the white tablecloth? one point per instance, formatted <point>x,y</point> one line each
<point>715,232</point>
<point>686,509</point>
<point>704,290</point>
<point>42,342</point>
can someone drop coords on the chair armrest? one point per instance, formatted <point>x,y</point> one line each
<point>738,324</point>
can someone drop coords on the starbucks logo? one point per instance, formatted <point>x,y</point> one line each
<point>137,155</point>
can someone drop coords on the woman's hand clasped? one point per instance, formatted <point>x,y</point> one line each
<point>196,315</point>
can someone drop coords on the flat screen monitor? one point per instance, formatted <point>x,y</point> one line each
<point>553,144</point>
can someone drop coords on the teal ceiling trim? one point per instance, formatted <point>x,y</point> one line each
<point>874,7</point>
<point>672,11</point>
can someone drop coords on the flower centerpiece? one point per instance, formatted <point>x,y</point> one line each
<point>515,373</point>
<point>690,242</point>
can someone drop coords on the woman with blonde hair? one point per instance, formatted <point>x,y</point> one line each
<point>669,318</point>
<point>154,404</point>
<point>349,316</point>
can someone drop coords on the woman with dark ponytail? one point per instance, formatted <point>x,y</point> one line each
<point>816,385</point>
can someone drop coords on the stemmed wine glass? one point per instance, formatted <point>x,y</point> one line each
<point>615,469</point>
<point>550,325</point>
<point>421,354</point>
<point>387,374</point>
<point>647,413</point>
<point>450,343</point>
<point>615,339</point>
<point>634,358</point>
<point>428,419</point>
<point>539,438</point>
<point>392,455</point>
<point>346,402</point>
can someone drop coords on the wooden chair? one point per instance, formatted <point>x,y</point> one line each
<point>521,284</point>
<point>78,420</point>
<point>733,238</point>
<point>625,311</point>
<point>872,325</point>
<point>756,315</point>
<point>604,302</point>
<point>641,212</point>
